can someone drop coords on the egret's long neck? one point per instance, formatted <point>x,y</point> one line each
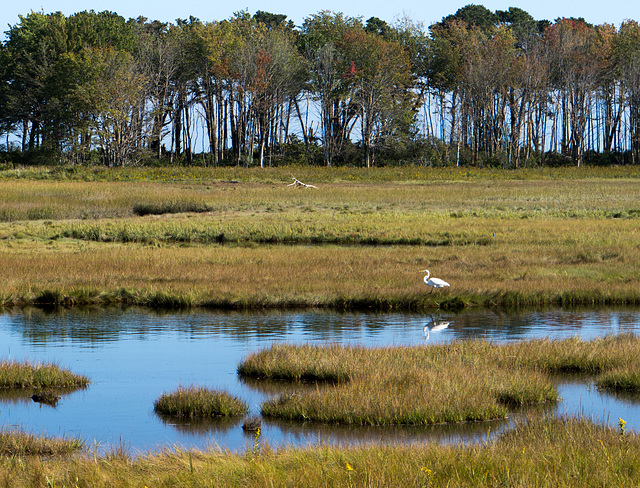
<point>428,275</point>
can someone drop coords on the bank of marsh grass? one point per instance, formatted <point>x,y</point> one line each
<point>15,443</point>
<point>142,209</point>
<point>528,262</point>
<point>197,402</point>
<point>625,379</point>
<point>538,452</point>
<point>357,241</point>
<point>396,385</point>
<point>25,374</point>
<point>462,381</point>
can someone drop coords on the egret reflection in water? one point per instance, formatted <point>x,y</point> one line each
<point>434,326</point>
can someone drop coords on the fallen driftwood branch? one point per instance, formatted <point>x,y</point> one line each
<point>296,183</point>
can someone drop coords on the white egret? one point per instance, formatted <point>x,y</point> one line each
<point>433,282</point>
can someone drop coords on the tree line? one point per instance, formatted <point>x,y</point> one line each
<point>479,87</point>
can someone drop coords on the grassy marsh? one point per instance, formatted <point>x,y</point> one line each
<point>547,452</point>
<point>500,238</point>
<point>462,381</point>
<point>528,262</point>
<point>198,403</point>
<point>15,443</point>
<point>25,374</point>
<point>528,237</point>
<point>396,385</point>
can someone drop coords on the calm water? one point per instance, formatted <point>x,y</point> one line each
<point>133,356</point>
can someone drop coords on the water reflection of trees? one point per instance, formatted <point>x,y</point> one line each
<point>520,324</point>
<point>95,326</point>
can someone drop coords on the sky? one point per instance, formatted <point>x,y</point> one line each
<point>424,11</point>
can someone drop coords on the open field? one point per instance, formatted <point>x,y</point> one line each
<point>531,237</point>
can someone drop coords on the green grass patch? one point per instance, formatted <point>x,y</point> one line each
<point>386,230</point>
<point>15,374</point>
<point>198,403</point>
<point>310,174</point>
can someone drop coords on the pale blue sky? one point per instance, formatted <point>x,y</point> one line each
<point>426,11</point>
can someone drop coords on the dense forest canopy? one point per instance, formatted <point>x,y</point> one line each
<point>477,88</point>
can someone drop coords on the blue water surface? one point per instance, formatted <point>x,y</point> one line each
<point>133,356</point>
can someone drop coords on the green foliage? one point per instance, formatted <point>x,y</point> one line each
<point>93,88</point>
<point>474,15</point>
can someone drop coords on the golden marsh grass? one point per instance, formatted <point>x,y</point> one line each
<point>358,241</point>
<point>25,374</point>
<point>537,453</point>
<point>462,381</point>
<point>566,236</point>
<point>17,444</point>
<point>196,402</point>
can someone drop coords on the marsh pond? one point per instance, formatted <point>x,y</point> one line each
<point>132,356</point>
